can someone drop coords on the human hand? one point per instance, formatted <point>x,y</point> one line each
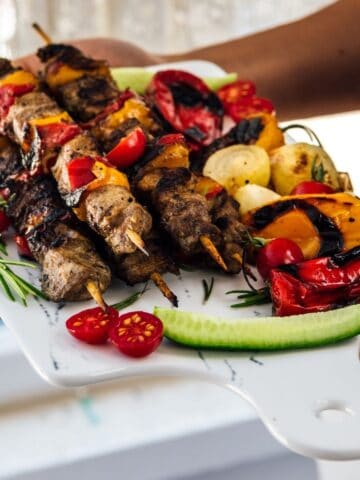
<point>116,52</point>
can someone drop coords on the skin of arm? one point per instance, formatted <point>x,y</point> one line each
<point>308,67</point>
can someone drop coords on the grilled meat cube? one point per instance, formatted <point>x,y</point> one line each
<point>87,96</point>
<point>183,213</point>
<point>31,106</point>
<point>6,67</point>
<point>67,268</point>
<point>224,211</point>
<point>138,267</point>
<point>111,211</point>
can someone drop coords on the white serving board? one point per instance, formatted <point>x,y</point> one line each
<point>289,390</point>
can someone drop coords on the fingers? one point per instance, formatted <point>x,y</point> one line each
<point>116,52</point>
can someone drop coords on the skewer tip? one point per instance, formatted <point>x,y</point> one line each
<point>135,238</point>
<point>213,251</point>
<point>94,290</point>
<point>39,30</point>
<point>164,288</point>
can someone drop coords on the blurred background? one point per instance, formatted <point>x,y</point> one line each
<point>162,26</point>
<point>155,429</point>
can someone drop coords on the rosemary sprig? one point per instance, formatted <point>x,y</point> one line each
<point>208,288</point>
<point>250,297</point>
<point>129,300</point>
<point>14,286</point>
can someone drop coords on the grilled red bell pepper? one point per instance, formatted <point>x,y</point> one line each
<point>239,100</point>
<point>171,139</point>
<point>187,104</point>
<point>8,93</point>
<point>129,149</point>
<point>57,134</point>
<point>79,170</point>
<point>316,285</point>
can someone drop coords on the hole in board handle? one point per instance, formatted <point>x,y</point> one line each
<point>332,411</point>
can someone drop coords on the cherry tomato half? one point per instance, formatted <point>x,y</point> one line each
<point>311,186</point>
<point>236,91</point>
<point>79,170</point>
<point>92,325</point>
<point>129,149</point>
<point>4,221</point>
<point>137,334</point>
<point>279,251</point>
<point>23,246</point>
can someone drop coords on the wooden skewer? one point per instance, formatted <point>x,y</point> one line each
<point>164,288</point>
<point>136,240</point>
<point>42,33</point>
<point>238,258</point>
<point>213,251</point>
<point>94,290</point>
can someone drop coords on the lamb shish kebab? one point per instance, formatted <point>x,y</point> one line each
<point>51,141</point>
<point>70,75</point>
<point>71,269</point>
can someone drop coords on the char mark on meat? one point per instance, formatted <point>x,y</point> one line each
<point>68,55</point>
<point>87,96</point>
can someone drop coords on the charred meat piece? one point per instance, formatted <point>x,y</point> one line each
<point>183,213</point>
<point>67,258</point>
<point>224,211</point>
<point>138,267</point>
<point>87,96</point>
<point>92,88</point>
<point>111,211</point>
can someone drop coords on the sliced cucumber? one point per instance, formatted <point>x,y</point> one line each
<point>256,333</point>
<point>138,79</point>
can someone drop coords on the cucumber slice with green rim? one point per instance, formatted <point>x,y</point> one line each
<point>260,333</point>
<point>138,79</point>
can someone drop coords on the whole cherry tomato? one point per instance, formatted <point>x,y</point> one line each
<point>279,251</point>
<point>92,325</point>
<point>311,186</point>
<point>23,246</point>
<point>129,149</point>
<point>4,221</point>
<point>236,91</point>
<point>137,334</point>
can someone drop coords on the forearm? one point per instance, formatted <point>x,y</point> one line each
<point>309,67</point>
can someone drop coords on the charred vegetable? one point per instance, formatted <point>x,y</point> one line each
<point>316,285</point>
<point>298,162</point>
<point>319,224</point>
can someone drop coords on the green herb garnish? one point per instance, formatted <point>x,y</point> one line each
<point>13,285</point>
<point>250,297</point>
<point>208,288</point>
<point>129,300</point>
